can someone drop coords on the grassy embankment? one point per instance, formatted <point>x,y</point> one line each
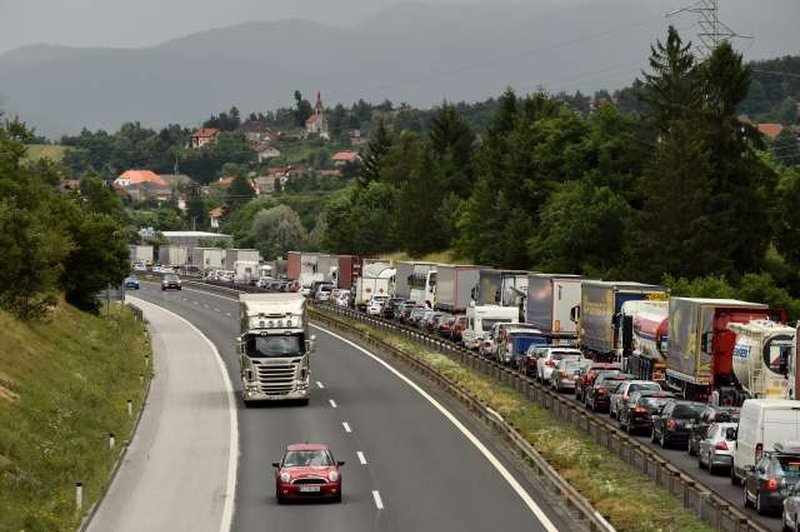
<point>64,386</point>
<point>628,499</point>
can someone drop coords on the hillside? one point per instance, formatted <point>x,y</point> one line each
<point>63,388</point>
<point>413,53</point>
<point>775,92</point>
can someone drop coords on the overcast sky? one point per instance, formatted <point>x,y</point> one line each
<point>137,23</point>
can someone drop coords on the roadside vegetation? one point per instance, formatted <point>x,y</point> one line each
<point>628,499</point>
<point>64,386</point>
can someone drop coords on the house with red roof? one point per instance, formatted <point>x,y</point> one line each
<point>132,177</point>
<point>770,130</point>
<point>344,157</point>
<point>204,136</point>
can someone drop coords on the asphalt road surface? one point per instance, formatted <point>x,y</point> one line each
<point>177,473</point>
<point>408,467</point>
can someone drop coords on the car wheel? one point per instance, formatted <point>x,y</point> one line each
<point>700,464</point>
<point>745,500</point>
<point>735,480</point>
<point>690,450</point>
<point>653,436</point>
<point>664,440</point>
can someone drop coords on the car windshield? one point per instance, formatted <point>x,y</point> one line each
<point>318,458</point>
<point>275,345</point>
<point>559,355</point>
<point>169,277</point>
<point>687,411</point>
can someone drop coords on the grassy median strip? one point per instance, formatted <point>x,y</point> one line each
<point>627,498</point>
<point>64,386</point>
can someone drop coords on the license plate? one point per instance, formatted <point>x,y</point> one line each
<point>309,489</point>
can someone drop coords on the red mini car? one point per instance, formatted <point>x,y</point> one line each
<point>308,471</point>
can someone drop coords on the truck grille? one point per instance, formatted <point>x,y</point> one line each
<point>277,379</point>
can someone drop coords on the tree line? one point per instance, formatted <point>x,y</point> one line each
<point>54,243</point>
<point>682,188</point>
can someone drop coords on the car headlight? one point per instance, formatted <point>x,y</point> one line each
<point>333,476</point>
<point>285,477</point>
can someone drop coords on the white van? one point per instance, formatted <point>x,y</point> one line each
<point>762,424</point>
<point>480,319</point>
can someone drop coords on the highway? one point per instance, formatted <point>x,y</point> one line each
<point>408,466</point>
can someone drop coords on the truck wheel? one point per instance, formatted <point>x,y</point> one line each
<point>745,502</point>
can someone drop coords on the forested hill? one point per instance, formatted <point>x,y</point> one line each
<point>775,91</point>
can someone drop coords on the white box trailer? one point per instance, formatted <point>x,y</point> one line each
<point>172,255</point>
<point>455,284</point>
<point>551,298</point>
<point>232,256</point>
<point>141,254</point>
<point>377,278</point>
<point>208,258</point>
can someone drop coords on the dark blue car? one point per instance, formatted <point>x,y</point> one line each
<point>131,283</point>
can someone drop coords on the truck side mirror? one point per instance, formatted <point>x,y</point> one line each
<point>575,313</point>
<point>731,433</point>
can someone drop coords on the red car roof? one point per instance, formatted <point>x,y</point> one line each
<point>307,447</point>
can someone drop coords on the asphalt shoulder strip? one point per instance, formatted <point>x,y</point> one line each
<point>180,470</point>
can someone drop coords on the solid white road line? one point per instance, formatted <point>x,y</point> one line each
<point>361,458</point>
<point>507,476</point>
<point>233,451</point>
<point>332,402</point>
<point>378,501</point>
<point>320,385</point>
<point>346,426</point>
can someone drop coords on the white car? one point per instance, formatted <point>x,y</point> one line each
<point>375,306</point>
<point>547,362</point>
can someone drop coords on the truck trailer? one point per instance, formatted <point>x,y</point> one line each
<point>455,285</point>
<point>416,281</point>
<point>645,338</point>
<point>599,316</point>
<point>141,254</point>
<point>762,356</point>
<point>500,287</point>
<point>550,301</point>
<point>232,256</point>
<point>173,255</point>
<point>208,258</point>
<point>293,265</point>
<point>377,278</point>
<point>701,344</point>
<point>274,347</point>
<point>349,271</point>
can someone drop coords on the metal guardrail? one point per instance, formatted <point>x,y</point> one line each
<point>701,500</point>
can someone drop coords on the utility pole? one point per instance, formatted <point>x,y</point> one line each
<point>712,31</point>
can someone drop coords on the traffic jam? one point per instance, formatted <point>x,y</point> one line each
<point>711,380</point>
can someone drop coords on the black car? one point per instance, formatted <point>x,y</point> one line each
<point>671,424</point>
<point>634,416</point>
<point>598,396</point>
<point>770,481</point>
<point>709,416</point>
<point>391,305</point>
<point>170,281</point>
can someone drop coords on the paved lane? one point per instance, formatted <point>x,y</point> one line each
<point>179,471</point>
<point>408,467</point>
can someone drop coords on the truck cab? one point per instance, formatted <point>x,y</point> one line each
<point>274,347</point>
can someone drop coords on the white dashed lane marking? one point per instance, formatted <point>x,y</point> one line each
<point>320,385</point>
<point>346,427</point>
<point>361,458</point>
<point>378,501</point>
<point>333,403</point>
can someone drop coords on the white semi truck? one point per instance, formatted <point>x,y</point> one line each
<point>274,347</point>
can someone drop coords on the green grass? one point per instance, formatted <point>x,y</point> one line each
<point>627,498</point>
<point>50,151</point>
<point>64,384</point>
<point>447,256</point>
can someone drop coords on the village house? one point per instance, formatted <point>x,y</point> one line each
<point>204,136</point>
<point>256,132</point>
<point>214,215</point>
<point>356,139</point>
<point>266,152</point>
<point>344,157</point>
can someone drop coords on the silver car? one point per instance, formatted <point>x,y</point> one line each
<point>790,517</point>
<point>714,451</point>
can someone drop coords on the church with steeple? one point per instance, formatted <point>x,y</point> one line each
<point>316,123</point>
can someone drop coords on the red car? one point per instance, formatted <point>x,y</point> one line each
<point>308,471</point>
<point>585,380</point>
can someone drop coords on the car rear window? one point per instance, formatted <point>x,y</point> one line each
<point>643,386</point>
<point>560,355</point>
<point>683,411</point>
<point>788,466</point>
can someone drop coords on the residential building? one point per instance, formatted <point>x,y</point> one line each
<point>139,177</point>
<point>770,131</point>
<point>356,139</point>
<point>257,132</point>
<point>204,136</point>
<point>174,181</point>
<point>214,215</point>
<point>344,157</point>
<point>266,152</point>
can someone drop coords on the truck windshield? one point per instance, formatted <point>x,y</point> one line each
<point>275,345</point>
